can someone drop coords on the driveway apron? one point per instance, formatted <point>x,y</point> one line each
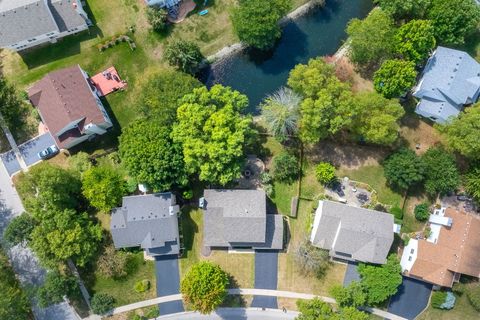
<point>168,283</point>
<point>266,272</point>
<point>411,298</point>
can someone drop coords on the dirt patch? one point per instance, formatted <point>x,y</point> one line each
<point>346,156</point>
<point>415,132</point>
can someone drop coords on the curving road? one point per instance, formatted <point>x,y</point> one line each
<point>235,314</point>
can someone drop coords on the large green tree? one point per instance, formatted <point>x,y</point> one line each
<point>46,187</point>
<point>55,287</point>
<point>415,40</point>
<point>352,295</point>
<point>314,309</point>
<point>453,20</point>
<point>328,105</point>
<point>381,282</point>
<point>204,287</point>
<point>103,186</point>
<point>441,173</point>
<point>161,93</point>
<point>184,55</point>
<point>10,105</point>
<point>404,9</point>
<point>462,133</point>
<point>151,156</point>
<point>280,111</point>
<point>213,133</point>
<point>19,229</point>
<point>394,78</point>
<point>404,169</point>
<point>14,304</point>
<point>377,118</point>
<point>256,21</point>
<point>371,39</point>
<point>63,235</point>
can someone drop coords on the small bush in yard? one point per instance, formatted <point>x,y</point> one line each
<point>438,298</point>
<point>459,288</point>
<point>397,212</point>
<point>473,295</point>
<point>102,303</point>
<point>157,18</point>
<point>421,212</point>
<point>285,167</point>
<point>325,172</point>
<point>142,286</point>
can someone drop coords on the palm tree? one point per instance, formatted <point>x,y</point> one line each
<point>281,114</point>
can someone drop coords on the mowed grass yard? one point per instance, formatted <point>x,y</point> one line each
<point>463,310</point>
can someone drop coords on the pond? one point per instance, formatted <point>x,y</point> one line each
<point>318,33</point>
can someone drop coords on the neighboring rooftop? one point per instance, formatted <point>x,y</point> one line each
<point>149,221</point>
<point>450,80</point>
<point>352,233</point>
<point>456,251</point>
<point>236,218</point>
<point>64,97</point>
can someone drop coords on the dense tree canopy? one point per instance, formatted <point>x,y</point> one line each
<point>377,118</point>
<point>213,133</point>
<point>404,9</point>
<point>104,187</point>
<point>316,309</point>
<point>404,169</point>
<point>441,173</point>
<point>150,155</point>
<point>421,212</point>
<point>281,113</point>
<point>19,229</point>
<point>157,17</point>
<point>14,304</point>
<point>286,167</point>
<point>453,20</point>
<point>63,235</point>
<point>371,39</point>
<point>161,93</point>
<point>381,282</point>
<point>184,55</point>
<point>395,77</point>
<point>351,296</point>
<point>415,40</point>
<point>462,133</point>
<point>46,187</point>
<point>102,303</point>
<point>327,105</point>
<point>472,183</point>
<point>54,288</point>
<point>204,287</point>
<point>10,105</point>
<point>256,21</point>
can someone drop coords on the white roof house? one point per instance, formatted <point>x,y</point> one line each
<point>450,80</point>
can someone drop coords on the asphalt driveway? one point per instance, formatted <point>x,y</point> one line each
<point>168,283</point>
<point>351,274</point>
<point>411,298</point>
<point>266,277</point>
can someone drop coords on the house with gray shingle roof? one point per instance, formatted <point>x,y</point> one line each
<point>29,23</point>
<point>239,219</point>
<point>147,221</point>
<point>352,233</point>
<point>450,80</point>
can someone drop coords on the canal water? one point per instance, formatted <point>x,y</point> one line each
<point>318,33</point>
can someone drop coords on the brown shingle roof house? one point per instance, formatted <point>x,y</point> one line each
<point>452,249</point>
<point>69,106</point>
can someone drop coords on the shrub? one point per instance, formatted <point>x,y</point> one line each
<point>157,17</point>
<point>397,212</point>
<point>55,287</point>
<point>285,167</point>
<point>266,178</point>
<point>184,55</point>
<point>421,212</point>
<point>19,229</point>
<point>459,288</point>
<point>325,172</point>
<point>473,295</point>
<point>187,194</point>
<point>311,260</point>
<point>113,263</point>
<point>102,303</point>
<point>142,286</point>
<point>438,298</point>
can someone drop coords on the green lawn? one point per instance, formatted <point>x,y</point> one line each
<point>374,176</point>
<point>122,289</point>
<point>463,310</point>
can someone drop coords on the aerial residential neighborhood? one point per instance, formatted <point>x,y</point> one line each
<point>239,159</point>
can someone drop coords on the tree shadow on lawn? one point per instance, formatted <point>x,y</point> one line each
<point>189,229</point>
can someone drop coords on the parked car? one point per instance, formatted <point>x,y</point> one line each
<point>48,152</point>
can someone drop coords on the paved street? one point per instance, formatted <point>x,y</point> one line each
<point>266,273</point>
<point>411,298</point>
<point>168,283</point>
<point>235,314</point>
<point>23,260</point>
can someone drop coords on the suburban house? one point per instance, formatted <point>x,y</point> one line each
<point>450,80</point>
<point>452,249</point>
<point>238,219</point>
<point>29,23</point>
<point>69,106</point>
<point>147,221</point>
<point>352,233</point>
